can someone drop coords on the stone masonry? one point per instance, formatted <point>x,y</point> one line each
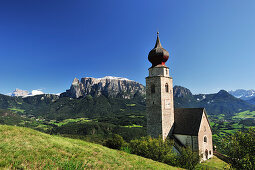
<point>159,102</point>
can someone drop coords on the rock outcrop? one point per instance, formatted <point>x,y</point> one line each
<point>180,91</point>
<point>19,92</point>
<point>107,86</point>
<point>25,93</point>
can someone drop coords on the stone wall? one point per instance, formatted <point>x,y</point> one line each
<point>167,105</point>
<point>159,105</point>
<point>205,145</point>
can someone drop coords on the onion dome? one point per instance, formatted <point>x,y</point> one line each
<point>158,55</point>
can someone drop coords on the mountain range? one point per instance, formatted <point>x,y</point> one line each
<point>221,102</point>
<point>251,101</point>
<point>25,93</point>
<point>108,86</point>
<point>217,103</point>
<point>109,96</point>
<point>243,94</point>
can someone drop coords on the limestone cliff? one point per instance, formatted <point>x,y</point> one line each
<point>107,86</point>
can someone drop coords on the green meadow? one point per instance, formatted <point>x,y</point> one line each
<point>24,148</point>
<point>245,115</point>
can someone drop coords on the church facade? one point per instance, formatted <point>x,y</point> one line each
<point>188,127</point>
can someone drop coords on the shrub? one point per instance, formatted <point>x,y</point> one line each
<point>188,159</point>
<point>159,150</point>
<point>171,159</point>
<point>116,142</point>
<point>153,148</point>
<point>126,149</point>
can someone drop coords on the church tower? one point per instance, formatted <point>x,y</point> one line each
<point>159,94</point>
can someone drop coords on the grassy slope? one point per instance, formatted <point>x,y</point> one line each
<point>213,163</point>
<point>30,149</point>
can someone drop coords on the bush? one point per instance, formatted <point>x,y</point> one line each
<point>153,148</point>
<point>171,159</point>
<point>159,150</point>
<point>116,142</point>
<point>126,149</point>
<point>188,159</point>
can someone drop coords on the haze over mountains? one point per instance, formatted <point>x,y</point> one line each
<point>251,101</point>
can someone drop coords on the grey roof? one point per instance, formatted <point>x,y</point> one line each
<point>187,120</point>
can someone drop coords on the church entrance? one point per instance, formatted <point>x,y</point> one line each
<point>206,154</point>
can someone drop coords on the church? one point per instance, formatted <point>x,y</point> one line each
<point>188,127</point>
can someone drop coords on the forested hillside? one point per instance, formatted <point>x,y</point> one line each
<point>60,108</point>
<point>98,117</point>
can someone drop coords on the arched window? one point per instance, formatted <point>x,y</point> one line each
<point>152,88</point>
<point>166,87</point>
<point>206,154</point>
<point>205,139</point>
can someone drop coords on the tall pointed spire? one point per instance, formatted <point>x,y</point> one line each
<point>158,55</point>
<point>158,44</point>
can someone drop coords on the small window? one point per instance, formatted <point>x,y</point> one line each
<point>202,155</point>
<point>166,87</point>
<point>166,71</point>
<point>210,152</point>
<point>205,139</point>
<point>152,88</point>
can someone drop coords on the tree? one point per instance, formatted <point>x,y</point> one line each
<point>240,148</point>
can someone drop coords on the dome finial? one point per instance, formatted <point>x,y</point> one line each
<point>158,55</point>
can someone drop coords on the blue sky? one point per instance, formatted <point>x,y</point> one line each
<point>45,44</point>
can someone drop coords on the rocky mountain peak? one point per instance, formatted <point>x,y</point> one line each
<point>19,92</point>
<point>75,81</point>
<point>114,78</point>
<point>180,91</point>
<point>223,94</point>
<point>108,86</point>
<point>243,94</point>
<point>25,93</point>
